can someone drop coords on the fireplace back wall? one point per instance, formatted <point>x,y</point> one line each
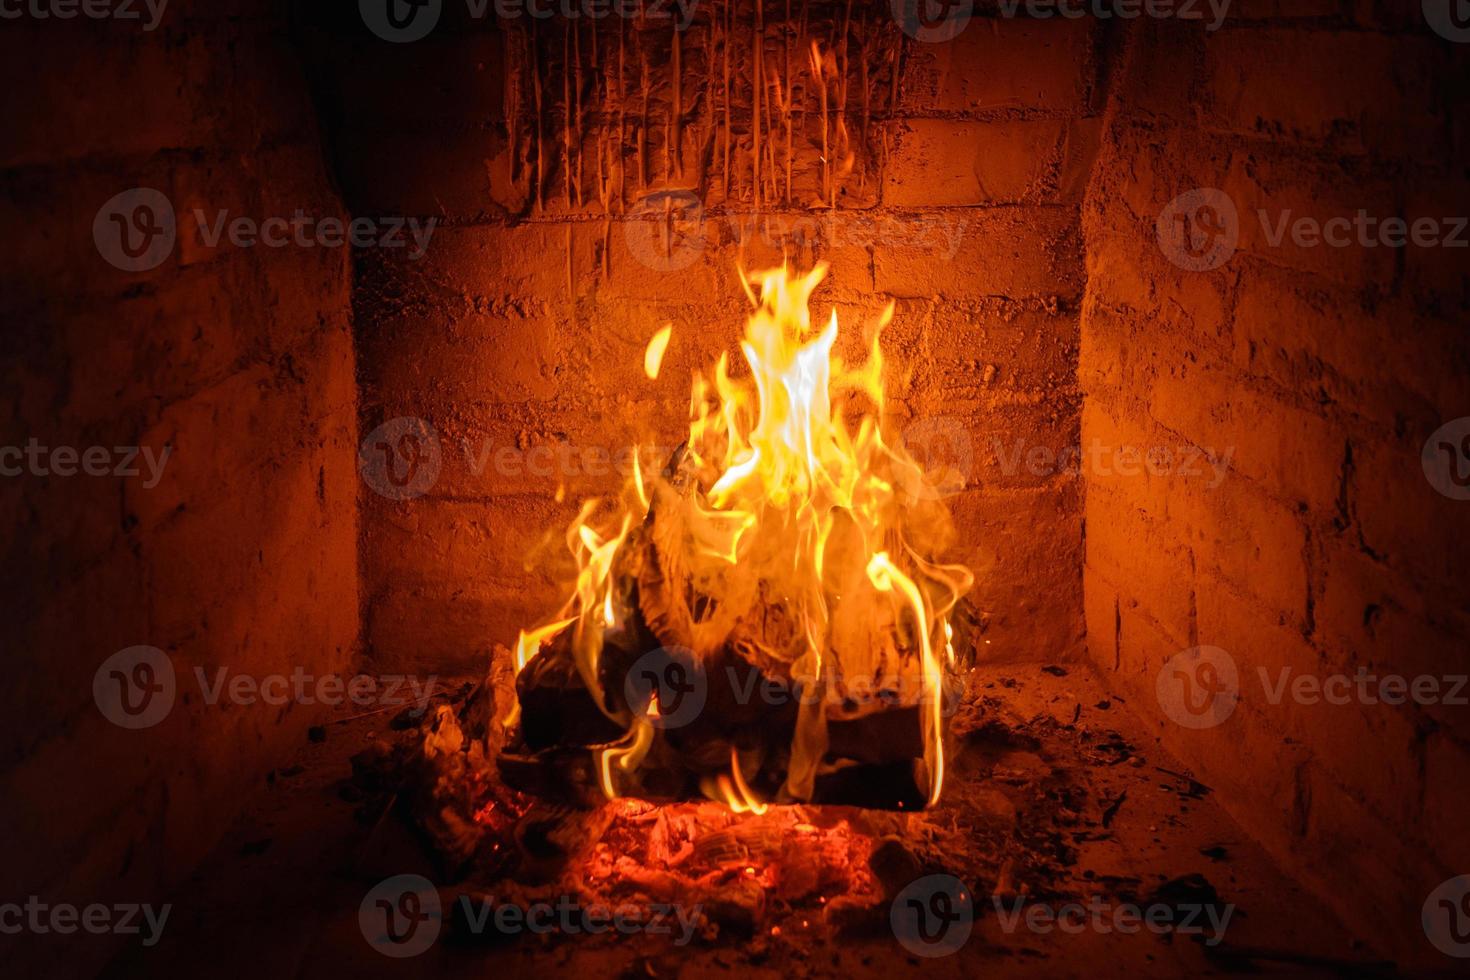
<point>519,335</point>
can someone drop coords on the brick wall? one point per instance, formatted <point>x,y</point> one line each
<point>242,555</point>
<point>519,335</point>
<point>1314,375</point>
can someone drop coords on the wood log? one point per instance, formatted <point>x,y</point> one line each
<point>556,707</point>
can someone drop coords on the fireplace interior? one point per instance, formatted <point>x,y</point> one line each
<point>812,488</point>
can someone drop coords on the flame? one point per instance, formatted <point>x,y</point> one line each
<point>653,357</point>
<point>800,499</point>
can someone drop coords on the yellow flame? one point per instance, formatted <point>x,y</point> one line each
<point>797,499</point>
<point>885,576</point>
<point>653,357</point>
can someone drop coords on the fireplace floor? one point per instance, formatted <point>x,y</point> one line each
<point>1055,790</point>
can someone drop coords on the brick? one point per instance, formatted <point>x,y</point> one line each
<point>449,172</point>
<point>1326,341</point>
<point>1001,64</point>
<point>1268,656</point>
<point>1129,548</point>
<point>1435,275</point>
<point>942,163</point>
<point>1007,441</point>
<point>1403,518</point>
<point>1126,455</point>
<point>965,353</point>
<point>1252,541</point>
<point>1291,452</point>
<point>1016,542</point>
<point>82,117</point>
<point>1005,252</point>
<point>1374,615</point>
<point>1446,795</point>
<point>1334,87</point>
<point>1283,210</point>
<point>422,364</point>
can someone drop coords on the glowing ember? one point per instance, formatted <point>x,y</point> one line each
<point>791,502</point>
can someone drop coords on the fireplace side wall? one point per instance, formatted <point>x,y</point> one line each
<point>239,556</point>
<point>519,334</point>
<point>1319,373</point>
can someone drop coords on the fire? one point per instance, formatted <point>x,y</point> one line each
<point>801,493</point>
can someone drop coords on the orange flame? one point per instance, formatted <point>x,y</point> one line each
<point>800,491</point>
